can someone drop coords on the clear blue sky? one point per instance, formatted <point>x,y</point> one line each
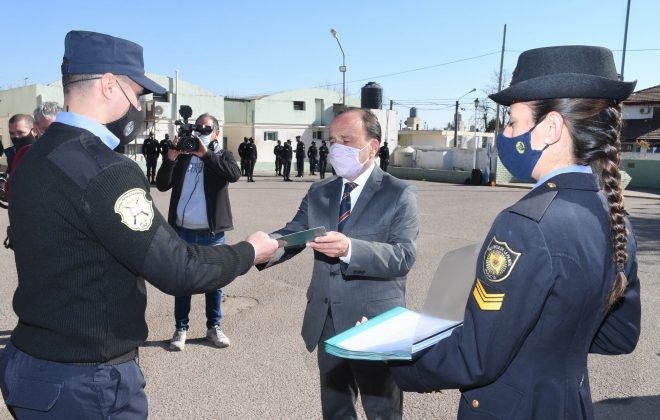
<point>255,47</point>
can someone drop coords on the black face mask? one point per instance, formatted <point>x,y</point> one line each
<point>22,141</point>
<point>127,127</point>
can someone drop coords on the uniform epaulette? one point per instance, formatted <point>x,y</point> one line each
<point>535,204</point>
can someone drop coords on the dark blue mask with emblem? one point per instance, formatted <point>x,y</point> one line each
<point>517,155</point>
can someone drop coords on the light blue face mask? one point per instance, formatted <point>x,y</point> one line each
<point>205,138</point>
<point>517,155</point>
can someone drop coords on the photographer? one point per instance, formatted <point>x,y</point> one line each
<point>200,213</point>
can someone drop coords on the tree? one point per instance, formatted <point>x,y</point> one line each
<point>492,87</point>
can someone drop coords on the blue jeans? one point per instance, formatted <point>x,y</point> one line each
<point>182,303</point>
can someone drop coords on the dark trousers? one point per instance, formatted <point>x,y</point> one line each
<point>287,169</point>
<point>322,166</point>
<point>300,166</point>
<point>39,389</point>
<point>341,379</point>
<point>384,164</point>
<point>278,166</point>
<point>249,168</point>
<point>243,167</point>
<point>214,298</point>
<point>312,165</point>
<point>152,162</point>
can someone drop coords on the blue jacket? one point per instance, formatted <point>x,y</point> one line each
<point>536,309</point>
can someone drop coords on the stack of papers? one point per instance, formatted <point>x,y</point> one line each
<point>400,333</point>
<point>393,335</point>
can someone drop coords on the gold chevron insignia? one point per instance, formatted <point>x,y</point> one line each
<point>487,301</point>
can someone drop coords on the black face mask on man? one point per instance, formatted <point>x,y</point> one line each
<point>126,127</point>
<point>19,142</point>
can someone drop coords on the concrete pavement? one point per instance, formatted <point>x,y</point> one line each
<point>266,373</point>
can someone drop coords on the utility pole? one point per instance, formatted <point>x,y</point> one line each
<point>625,39</point>
<point>499,84</point>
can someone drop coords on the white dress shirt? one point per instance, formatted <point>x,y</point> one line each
<point>355,194</point>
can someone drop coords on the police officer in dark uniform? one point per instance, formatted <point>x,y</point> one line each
<point>250,159</point>
<point>287,156</point>
<point>384,155</point>
<point>312,153</point>
<point>87,213</point>
<point>277,151</point>
<point>323,159</point>
<point>556,277</point>
<point>164,146</point>
<point>300,157</point>
<point>243,156</point>
<point>150,151</point>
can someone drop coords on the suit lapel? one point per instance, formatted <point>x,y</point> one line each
<point>372,185</point>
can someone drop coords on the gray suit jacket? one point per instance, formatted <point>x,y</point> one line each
<point>382,228</point>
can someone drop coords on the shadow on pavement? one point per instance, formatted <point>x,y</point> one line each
<point>165,344</point>
<point>647,233</point>
<point>647,408</point>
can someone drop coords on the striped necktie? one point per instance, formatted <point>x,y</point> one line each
<point>345,205</point>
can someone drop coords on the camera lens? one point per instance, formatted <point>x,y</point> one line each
<point>189,144</point>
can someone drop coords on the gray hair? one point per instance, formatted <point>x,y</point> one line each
<point>216,124</point>
<point>47,110</point>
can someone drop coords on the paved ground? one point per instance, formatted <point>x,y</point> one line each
<point>268,374</point>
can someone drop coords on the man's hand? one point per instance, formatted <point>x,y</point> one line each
<point>264,246</point>
<point>333,244</point>
<point>172,153</point>
<point>201,150</point>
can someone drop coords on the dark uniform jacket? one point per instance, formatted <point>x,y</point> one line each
<point>323,152</point>
<point>150,148</point>
<point>300,151</point>
<point>220,169</point>
<point>384,153</point>
<point>277,151</point>
<point>251,152</point>
<point>85,234</point>
<point>287,152</point>
<point>312,152</point>
<point>536,309</point>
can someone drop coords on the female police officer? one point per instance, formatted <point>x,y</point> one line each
<point>556,276</point>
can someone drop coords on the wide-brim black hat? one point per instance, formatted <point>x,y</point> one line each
<point>569,71</point>
<point>95,53</point>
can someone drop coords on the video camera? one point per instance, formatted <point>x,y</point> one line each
<point>187,142</point>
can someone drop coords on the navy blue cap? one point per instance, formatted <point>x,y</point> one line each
<point>94,53</point>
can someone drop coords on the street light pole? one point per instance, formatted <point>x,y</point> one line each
<point>342,68</point>
<point>456,116</point>
<point>474,159</point>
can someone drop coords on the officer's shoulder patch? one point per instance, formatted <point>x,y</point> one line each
<point>135,209</point>
<point>536,202</point>
<point>486,298</point>
<point>499,260</point>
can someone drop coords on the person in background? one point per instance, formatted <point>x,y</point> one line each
<point>300,157</point>
<point>150,151</point>
<point>250,159</point>
<point>323,159</point>
<point>277,151</point>
<point>200,213</point>
<point>86,235</point>
<point>22,133</point>
<point>384,155</point>
<point>312,153</point>
<point>556,278</point>
<point>242,156</point>
<point>44,115</point>
<point>164,146</point>
<point>287,156</point>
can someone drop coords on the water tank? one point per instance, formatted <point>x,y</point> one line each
<point>413,112</point>
<point>372,96</point>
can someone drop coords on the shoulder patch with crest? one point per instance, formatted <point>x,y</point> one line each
<point>499,260</point>
<point>135,209</point>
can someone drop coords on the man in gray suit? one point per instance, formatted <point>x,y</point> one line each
<point>360,266</point>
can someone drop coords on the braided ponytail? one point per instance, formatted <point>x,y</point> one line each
<point>595,126</point>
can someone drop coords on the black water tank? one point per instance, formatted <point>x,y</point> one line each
<point>413,112</point>
<point>372,96</point>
